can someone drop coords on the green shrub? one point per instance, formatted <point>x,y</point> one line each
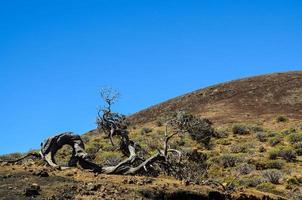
<point>272,175</point>
<point>298,148</point>
<point>266,187</point>
<point>220,134</point>
<point>240,129</point>
<point>229,160</point>
<point>261,136</point>
<point>245,168</point>
<point>262,149</point>
<point>281,119</point>
<point>200,129</point>
<point>273,154</point>
<point>272,134</point>
<point>241,148</point>
<point>288,131</point>
<point>255,128</point>
<point>252,181</point>
<point>286,153</point>
<point>275,164</point>
<point>224,142</point>
<point>159,123</point>
<point>274,141</point>
<point>295,138</point>
<point>145,130</point>
<point>297,195</point>
<point>294,181</point>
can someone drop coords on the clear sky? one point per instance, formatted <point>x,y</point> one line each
<point>56,55</point>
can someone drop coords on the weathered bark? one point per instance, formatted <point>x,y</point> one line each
<point>51,146</point>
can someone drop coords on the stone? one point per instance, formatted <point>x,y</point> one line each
<point>33,190</point>
<point>93,186</point>
<point>41,173</point>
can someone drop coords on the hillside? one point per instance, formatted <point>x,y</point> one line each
<point>248,99</point>
<point>255,153</point>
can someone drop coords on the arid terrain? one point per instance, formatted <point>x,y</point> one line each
<point>255,153</point>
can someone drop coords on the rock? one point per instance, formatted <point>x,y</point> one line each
<point>69,174</point>
<point>3,164</point>
<point>129,181</point>
<point>42,173</point>
<point>93,186</point>
<point>33,190</point>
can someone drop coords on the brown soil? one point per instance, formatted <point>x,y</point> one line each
<point>258,98</point>
<point>75,183</point>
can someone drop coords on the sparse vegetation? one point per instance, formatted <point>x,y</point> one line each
<point>261,136</point>
<point>275,140</point>
<point>259,152</point>
<point>281,119</point>
<point>295,138</point>
<point>200,129</point>
<point>275,164</point>
<point>245,168</point>
<point>272,175</point>
<point>286,153</point>
<point>240,129</point>
<point>241,148</point>
<point>229,160</point>
<point>146,130</point>
<point>266,187</point>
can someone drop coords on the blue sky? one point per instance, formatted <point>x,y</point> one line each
<point>56,55</point>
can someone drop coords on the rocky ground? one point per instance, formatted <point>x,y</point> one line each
<point>28,181</point>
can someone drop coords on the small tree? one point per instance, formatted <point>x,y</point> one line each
<point>200,129</point>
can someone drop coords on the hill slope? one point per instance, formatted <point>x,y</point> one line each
<point>263,154</point>
<point>259,97</point>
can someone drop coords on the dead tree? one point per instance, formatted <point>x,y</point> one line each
<point>51,146</point>
<point>113,125</point>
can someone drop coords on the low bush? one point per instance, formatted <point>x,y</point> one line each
<point>261,136</point>
<point>273,154</point>
<point>272,175</point>
<point>272,134</point>
<point>288,131</point>
<point>229,160</point>
<point>159,123</point>
<point>241,148</point>
<point>224,142</point>
<point>192,168</point>
<point>274,141</point>
<point>200,129</point>
<point>146,130</point>
<point>286,153</point>
<point>266,187</point>
<point>298,148</point>
<point>295,138</point>
<point>294,181</point>
<point>262,149</point>
<point>275,164</point>
<point>240,129</point>
<point>297,195</point>
<point>252,181</point>
<point>245,168</point>
<point>281,119</point>
<point>220,134</point>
